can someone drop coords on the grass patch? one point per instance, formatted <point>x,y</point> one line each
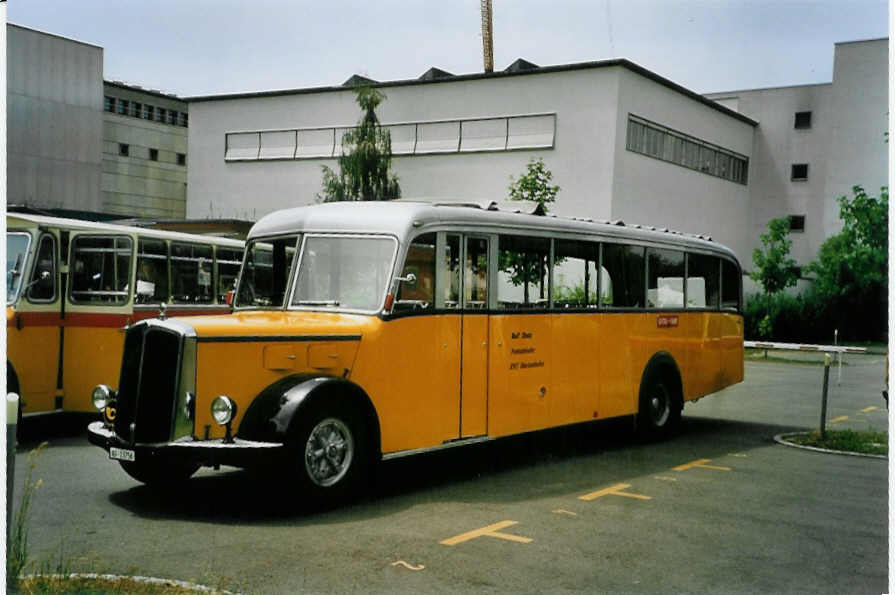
<point>871,443</point>
<point>102,584</point>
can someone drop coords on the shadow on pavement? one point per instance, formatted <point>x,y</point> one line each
<point>538,465</point>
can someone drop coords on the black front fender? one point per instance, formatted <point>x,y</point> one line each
<point>269,416</point>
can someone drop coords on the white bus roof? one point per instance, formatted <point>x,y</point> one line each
<point>23,220</point>
<point>402,217</point>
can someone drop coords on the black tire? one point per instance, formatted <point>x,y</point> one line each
<point>659,413</point>
<point>155,474</point>
<point>328,451</point>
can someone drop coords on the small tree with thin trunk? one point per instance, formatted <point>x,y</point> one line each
<point>365,162</point>
<point>774,269</point>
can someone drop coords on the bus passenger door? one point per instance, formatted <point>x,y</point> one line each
<point>474,355</point>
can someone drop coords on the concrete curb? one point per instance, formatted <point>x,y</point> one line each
<point>137,579</point>
<point>781,439</point>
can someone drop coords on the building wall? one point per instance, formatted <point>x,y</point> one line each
<point>135,185</point>
<point>54,121</point>
<point>581,160</point>
<point>649,191</point>
<point>858,153</point>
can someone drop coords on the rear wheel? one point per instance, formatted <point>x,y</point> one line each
<point>156,474</point>
<point>329,451</point>
<point>659,415</point>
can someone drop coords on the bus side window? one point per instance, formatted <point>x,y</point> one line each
<point>625,265</point>
<point>730,286</point>
<point>451,289</point>
<point>703,281</point>
<point>100,269</point>
<point>522,280</point>
<point>228,262</point>
<point>191,266</point>
<point>152,272</point>
<point>574,274</point>
<point>419,294</point>
<point>44,290</point>
<point>666,278</point>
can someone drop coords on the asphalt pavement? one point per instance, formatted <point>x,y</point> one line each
<point>721,508</point>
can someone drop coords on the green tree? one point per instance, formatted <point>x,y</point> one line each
<point>365,160</point>
<point>774,269</point>
<point>852,266</point>
<point>534,185</point>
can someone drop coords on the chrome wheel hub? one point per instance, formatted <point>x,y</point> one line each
<point>328,452</point>
<point>660,406</point>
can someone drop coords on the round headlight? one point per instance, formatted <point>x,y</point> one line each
<point>223,409</point>
<point>102,395</point>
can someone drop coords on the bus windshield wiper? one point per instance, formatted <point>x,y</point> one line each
<point>317,303</point>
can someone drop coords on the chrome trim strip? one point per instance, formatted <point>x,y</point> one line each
<point>444,446</point>
<point>276,338</point>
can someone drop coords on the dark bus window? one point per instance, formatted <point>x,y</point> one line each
<point>451,290</point>
<point>624,269</point>
<point>44,289</point>
<point>703,281</point>
<point>522,280</point>
<point>100,270</point>
<point>476,274</point>
<point>191,266</point>
<point>730,286</point>
<point>266,273</point>
<point>666,278</point>
<point>575,274</point>
<point>420,293</point>
<point>228,262</point>
<point>152,272</point>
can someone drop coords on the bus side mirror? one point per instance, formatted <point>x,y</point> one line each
<point>228,297</point>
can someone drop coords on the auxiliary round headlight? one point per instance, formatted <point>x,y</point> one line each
<point>223,409</point>
<point>102,395</point>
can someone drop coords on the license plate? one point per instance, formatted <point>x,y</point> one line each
<point>122,454</point>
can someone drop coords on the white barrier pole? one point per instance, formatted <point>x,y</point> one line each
<point>12,418</point>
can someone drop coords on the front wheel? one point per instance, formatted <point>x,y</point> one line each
<point>156,474</point>
<point>329,452</point>
<point>659,415</point>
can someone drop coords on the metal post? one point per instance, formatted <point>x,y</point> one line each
<point>823,406</point>
<point>12,418</point>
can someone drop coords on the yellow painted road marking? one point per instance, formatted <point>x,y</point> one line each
<point>736,454</point>
<point>869,409</point>
<point>840,418</point>
<point>568,512</point>
<point>408,566</point>
<point>665,478</point>
<point>700,463</point>
<point>489,531</point>
<point>615,490</point>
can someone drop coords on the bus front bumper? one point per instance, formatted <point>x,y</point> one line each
<point>208,453</point>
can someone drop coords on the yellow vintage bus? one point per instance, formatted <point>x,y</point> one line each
<point>73,288</point>
<point>366,331</point>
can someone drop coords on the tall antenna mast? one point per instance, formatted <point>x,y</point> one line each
<point>487,38</point>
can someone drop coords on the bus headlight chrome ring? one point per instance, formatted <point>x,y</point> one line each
<point>223,410</point>
<point>103,396</point>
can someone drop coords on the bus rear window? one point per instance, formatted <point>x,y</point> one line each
<point>100,269</point>
<point>730,286</point>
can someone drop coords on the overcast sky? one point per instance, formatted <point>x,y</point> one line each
<point>202,47</point>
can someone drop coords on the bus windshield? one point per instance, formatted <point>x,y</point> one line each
<point>344,272</point>
<point>16,252</point>
<point>265,275</point>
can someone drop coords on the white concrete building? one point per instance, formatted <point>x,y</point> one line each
<point>462,137</point>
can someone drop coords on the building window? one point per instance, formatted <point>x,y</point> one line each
<point>799,172</point>
<point>797,223</point>
<point>124,150</point>
<point>797,271</point>
<point>153,154</point>
<point>665,144</point>
<point>161,114</point>
<point>181,159</point>
<point>123,106</point>
<point>109,103</point>
<point>172,117</point>
<point>148,112</point>
<point>137,110</point>
<point>184,119</point>
<point>803,120</point>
